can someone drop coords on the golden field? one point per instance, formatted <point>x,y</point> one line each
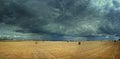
<point>59,50</point>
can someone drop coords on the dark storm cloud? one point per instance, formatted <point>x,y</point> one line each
<point>63,17</point>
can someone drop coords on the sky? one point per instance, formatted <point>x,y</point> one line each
<point>60,19</point>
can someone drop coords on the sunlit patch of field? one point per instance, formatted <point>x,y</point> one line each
<point>59,50</point>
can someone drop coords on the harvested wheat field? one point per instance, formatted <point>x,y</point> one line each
<point>60,50</point>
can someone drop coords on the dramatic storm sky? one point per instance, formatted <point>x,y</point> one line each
<point>60,19</point>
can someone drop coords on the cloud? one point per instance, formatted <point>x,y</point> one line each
<point>9,31</point>
<point>54,18</point>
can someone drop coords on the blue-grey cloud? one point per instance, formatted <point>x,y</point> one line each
<point>54,18</point>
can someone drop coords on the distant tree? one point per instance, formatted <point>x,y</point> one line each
<point>79,43</point>
<point>67,41</point>
<point>119,40</point>
<point>115,41</point>
<point>5,38</point>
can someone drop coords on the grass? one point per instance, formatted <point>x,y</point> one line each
<point>59,50</point>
